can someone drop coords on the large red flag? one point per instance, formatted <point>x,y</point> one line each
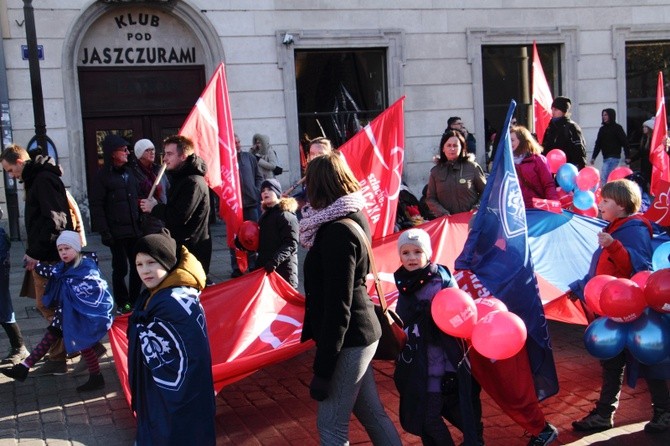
<point>658,155</point>
<point>541,97</point>
<point>210,126</point>
<point>375,156</point>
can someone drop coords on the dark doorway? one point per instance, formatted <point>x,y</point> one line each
<point>135,103</point>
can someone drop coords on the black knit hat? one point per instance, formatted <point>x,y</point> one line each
<point>273,185</point>
<point>562,103</point>
<point>160,246</point>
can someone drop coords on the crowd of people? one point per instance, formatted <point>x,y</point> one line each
<point>157,229</point>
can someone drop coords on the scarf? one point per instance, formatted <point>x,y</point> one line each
<point>314,218</point>
<point>408,282</point>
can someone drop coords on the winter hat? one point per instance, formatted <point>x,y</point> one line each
<point>416,237</point>
<point>273,185</point>
<point>161,246</point>
<point>650,123</point>
<point>71,239</point>
<point>112,143</point>
<point>562,103</point>
<point>141,146</point>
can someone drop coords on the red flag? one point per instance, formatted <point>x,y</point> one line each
<point>659,211</point>
<point>375,155</point>
<point>541,97</point>
<point>210,126</point>
<point>658,155</point>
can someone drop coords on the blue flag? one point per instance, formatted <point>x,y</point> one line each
<point>497,252</point>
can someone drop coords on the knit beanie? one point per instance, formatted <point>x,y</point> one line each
<point>416,237</point>
<point>71,239</point>
<point>273,185</point>
<point>141,146</point>
<point>113,142</point>
<point>161,246</point>
<point>562,103</point>
<point>649,123</point>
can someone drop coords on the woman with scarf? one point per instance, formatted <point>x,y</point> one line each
<point>146,170</point>
<point>339,315</point>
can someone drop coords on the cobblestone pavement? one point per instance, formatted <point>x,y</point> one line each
<point>272,406</point>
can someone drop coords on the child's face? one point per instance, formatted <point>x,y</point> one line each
<point>150,271</point>
<point>609,210</point>
<point>268,197</point>
<point>67,253</point>
<point>412,257</point>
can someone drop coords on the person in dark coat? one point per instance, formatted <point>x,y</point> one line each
<point>278,239</point>
<point>146,171</point>
<point>116,216</point>
<point>610,140</point>
<point>565,134</point>
<point>186,213</point>
<point>339,315</point>
<point>46,215</point>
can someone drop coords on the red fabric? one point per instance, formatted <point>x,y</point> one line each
<point>541,98</point>
<point>658,156</point>
<point>375,156</point>
<point>659,211</point>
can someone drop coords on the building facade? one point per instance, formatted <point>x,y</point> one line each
<point>300,68</point>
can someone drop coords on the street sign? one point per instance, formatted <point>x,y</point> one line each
<point>40,52</point>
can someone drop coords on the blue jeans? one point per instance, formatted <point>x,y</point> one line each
<point>609,164</point>
<point>353,389</point>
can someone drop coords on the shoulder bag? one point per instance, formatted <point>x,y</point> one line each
<point>393,337</point>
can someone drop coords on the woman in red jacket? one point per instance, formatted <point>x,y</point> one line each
<point>531,167</point>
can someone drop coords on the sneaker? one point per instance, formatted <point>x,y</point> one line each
<point>51,368</point>
<point>548,434</point>
<point>18,372</point>
<point>659,423</point>
<point>82,368</point>
<point>94,382</point>
<point>16,355</point>
<point>593,422</point>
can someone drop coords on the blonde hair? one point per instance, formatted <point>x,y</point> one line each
<point>527,142</point>
<point>328,177</point>
<point>625,193</point>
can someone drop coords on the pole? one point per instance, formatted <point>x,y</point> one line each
<point>35,77</point>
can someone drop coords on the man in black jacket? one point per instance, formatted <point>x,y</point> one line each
<point>564,133</point>
<point>46,215</point>
<point>186,213</point>
<point>115,215</point>
<point>610,140</point>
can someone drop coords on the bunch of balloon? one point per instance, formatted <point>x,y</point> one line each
<point>555,159</point>
<point>587,183</point>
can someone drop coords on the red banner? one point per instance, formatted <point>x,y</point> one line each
<point>541,97</point>
<point>375,155</point>
<point>658,155</point>
<point>659,211</point>
<point>210,126</point>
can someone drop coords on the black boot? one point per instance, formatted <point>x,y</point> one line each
<point>14,334</point>
<point>19,372</point>
<point>94,382</point>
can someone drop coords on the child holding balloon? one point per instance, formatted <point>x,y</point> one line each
<point>625,249</point>
<point>431,375</point>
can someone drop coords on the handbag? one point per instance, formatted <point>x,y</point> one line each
<point>393,337</point>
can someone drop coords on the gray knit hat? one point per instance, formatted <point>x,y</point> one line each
<point>416,237</point>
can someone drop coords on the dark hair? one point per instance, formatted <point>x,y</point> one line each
<point>464,145</point>
<point>327,178</point>
<point>184,144</point>
<point>13,153</point>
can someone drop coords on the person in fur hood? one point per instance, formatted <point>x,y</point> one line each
<point>278,243</point>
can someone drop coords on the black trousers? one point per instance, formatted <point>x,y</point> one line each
<point>123,263</point>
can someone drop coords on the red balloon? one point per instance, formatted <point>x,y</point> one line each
<point>593,291</point>
<point>587,178</point>
<point>619,173</point>
<point>590,212</point>
<point>499,335</point>
<point>657,290</point>
<point>454,312</point>
<point>485,305</point>
<point>556,158</point>
<point>622,300</point>
<point>248,235</point>
<point>598,194</point>
<point>641,278</point>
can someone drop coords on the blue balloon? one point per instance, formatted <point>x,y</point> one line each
<point>584,199</point>
<point>648,337</point>
<point>605,338</point>
<point>566,176</point>
<point>661,257</point>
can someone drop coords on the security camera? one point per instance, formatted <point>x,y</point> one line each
<point>288,39</point>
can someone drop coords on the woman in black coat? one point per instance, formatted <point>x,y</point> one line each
<point>339,315</point>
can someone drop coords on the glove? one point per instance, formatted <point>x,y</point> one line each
<point>269,267</point>
<point>318,388</point>
<point>106,238</point>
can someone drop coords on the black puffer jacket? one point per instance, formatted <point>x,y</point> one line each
<point>278,240</point>
<point>47,212</point>
<point>611,138</point>
<point>566,135</point>
<point>186,213</point>
<point>114,202</point>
